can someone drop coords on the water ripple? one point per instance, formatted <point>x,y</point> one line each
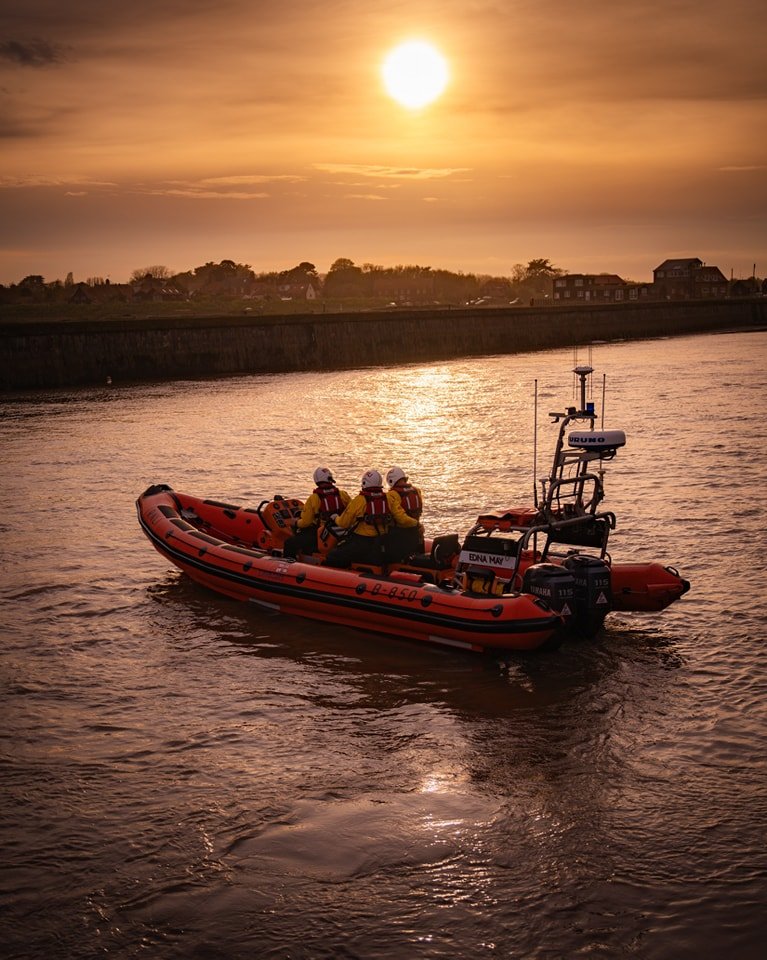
<point>184,776</point>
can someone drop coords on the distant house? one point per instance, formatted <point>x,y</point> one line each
<point>403,287</point>
<point>259,289</point>
<point>82,293</point>
<point>297,290</point>
<point>156,289</point>
<point>497,290</point>
<point>749,287</point>
<point>688,279</point>
<point>99,293</point>
<point>597,288</point>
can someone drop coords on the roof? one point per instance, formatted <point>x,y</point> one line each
<point>683,262</point>
<point>595,278</point>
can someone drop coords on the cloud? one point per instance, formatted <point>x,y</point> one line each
<point>196,193</point>
<point>214,188</point>
<point>402,173</point>
<point>35,181</point>
<point>33,53</point>
<point>205,188</point>
<point>240,180</point>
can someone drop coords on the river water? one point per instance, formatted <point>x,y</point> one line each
<point>184,776</point>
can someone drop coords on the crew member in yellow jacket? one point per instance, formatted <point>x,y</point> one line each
<point>402,542</point>
<point>368,518</point>
<point>324,502</point>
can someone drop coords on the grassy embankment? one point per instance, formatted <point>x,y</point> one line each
<point>208,307</point>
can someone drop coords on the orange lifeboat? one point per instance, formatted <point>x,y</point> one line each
<point>518,579</point>
<point>233,550</point>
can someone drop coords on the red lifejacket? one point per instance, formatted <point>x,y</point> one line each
<point>377,512</point>
<point>412,503</point>
<point>330,500</point>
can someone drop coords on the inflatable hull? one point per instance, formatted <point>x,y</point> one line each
<point>224,547</point>
<point>645,587</point>
<point>637,587</point>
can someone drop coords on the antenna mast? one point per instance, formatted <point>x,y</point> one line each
<point>535,446</point>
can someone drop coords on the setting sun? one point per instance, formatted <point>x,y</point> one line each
<point>415,73</point>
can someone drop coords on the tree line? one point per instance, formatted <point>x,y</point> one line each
<point>345,280</point>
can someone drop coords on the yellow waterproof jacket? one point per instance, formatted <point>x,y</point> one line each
<point>310,515</point>
<point>399,497</point>
<point>401,519</point>
<point>357,509</point>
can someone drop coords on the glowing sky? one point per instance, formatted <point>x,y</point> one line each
<point>604,136</point>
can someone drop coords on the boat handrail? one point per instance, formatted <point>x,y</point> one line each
<point>578,483</point>
<point>581,478</point>
<point>555,525</point>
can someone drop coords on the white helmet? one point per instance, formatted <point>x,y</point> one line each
<point>323,475</point>
<point>395,475</point>
<point>371,478</point>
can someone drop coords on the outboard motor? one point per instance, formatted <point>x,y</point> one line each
<point>554,584</point>
<point>593,592</point>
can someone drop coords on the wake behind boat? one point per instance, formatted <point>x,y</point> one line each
<point>518,580</point>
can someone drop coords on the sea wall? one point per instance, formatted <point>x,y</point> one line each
<point>47,355</point>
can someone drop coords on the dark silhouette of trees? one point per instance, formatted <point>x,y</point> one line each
<point>535,280</point>
<point>301,275</point>
<point>456,287</point>
<point>32,288</point>
<point>227,279</point>
<point>157,272</point>
<point>401,285</point>
<point>344,280</point>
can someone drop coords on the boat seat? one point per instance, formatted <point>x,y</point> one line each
<point>443,551</point>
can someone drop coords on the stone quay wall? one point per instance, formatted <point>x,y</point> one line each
<point>49,355</point>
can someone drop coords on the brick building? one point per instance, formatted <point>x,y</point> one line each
<point>598,288</point>
<point>688,279</point>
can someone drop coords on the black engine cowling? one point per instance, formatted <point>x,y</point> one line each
<point>593,592</point>
<point>554,584</point>
<point>579,589</point>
